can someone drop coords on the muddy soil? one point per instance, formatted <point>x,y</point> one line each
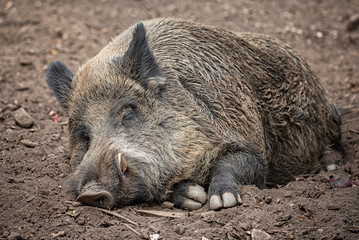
<point>34,162</point>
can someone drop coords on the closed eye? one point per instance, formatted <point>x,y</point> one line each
<point>128,117</point>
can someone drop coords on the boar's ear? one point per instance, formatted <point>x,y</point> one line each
<point>59,79</point>
<point>139,61</point>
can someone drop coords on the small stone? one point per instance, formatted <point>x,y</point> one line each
<point>353,23</point>
<point>15,180</point>
<point>26,62</point>
<point>10,107</point>
<point>354,37</point>
<point>15,236</point>
<point>58,234</point>
<point>167,204</point>
<point>260,235</point>
<point>339,182</point>
<point>5,234</point>
<point>23,118</point>
<point>331,167</point>
<point>154,236</point>
<point>319,34</point>
<point>154,229</point>
<point>285,217</point>
<point>30,199</point>
<point>245,226</point>
<point>333,207</point>
<point>81,221</point>
<point>179,230</point>
<point>268,199</point>
<point>288,195</point>
<point>29,143</point>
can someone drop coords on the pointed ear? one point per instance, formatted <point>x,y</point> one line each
<point>59,79</point>
<point>139,61</point>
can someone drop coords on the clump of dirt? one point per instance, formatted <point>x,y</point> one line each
<point>34,153</point>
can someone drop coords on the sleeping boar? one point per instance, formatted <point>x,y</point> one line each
<point>171,109</point>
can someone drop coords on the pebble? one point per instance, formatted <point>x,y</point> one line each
<point>288,195</point>
<point>331,167</point>
<point>15,180</point>
<point>245,226</point>
<point>179,230</point>
<point>29,199</point>
<point>26,62</point>
<point>58,234</point>
<point>81,221</point>
<point>333,207</point>
<point>154,236</point>
<point>284,217</point>
<point>354,37</point>
<point>258,234</point>
<point>268,199</point>
<point>353,23</point>
<point>14,236</point>
<point>10,107</point>
<point>167,204</point>
<point>29,143</point>
<point>23,118</point>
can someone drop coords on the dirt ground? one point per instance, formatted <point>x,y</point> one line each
<point>33,199</point>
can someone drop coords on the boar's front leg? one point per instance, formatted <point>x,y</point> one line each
<point>229,173</point>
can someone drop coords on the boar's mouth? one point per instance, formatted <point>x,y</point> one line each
<point>94,195</point>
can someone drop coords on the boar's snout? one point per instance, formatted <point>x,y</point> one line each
<point>94,195</point>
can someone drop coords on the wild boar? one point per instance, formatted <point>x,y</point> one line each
<point>170,108</point>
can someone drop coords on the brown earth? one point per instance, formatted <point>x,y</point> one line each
<point>33,200</point>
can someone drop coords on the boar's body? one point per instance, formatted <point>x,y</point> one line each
<point>185,104</point>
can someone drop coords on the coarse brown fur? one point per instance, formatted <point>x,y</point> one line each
<point>187,102</point>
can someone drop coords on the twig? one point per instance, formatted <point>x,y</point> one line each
<point>353,131</point>
<point>141,235</point>
<point>115,214</point>
<point>74,204</point>
<point>162,214</point>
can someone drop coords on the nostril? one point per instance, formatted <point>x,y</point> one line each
<point>102,199</point>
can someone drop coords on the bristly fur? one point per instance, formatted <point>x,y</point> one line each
<point>232,109</point>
